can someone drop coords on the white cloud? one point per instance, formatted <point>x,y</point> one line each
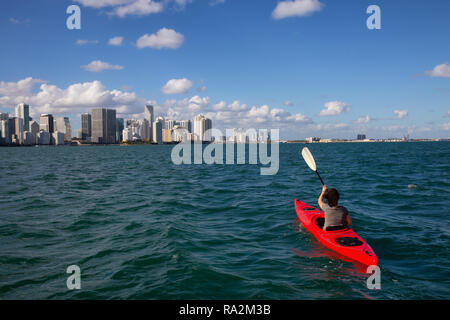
<point>98,66</point>
<point>197,103</point>
<point>84,42</point>
<point>123,8</point>
<point>103,3</point>
<point>299,118</point>
<point>400,114</point>
<point>296,8</point>
<point>220,106</point>
<point>363,120</point>
<point>76,98</point>
<point>213,3</point>
<point>441,71</point>
<point>447,114</point>
<point>177,86</point>
<point>18,21</point>
<point>138,7</point>
<point>288,103</point>
<point>164,38</point>
<point>20,88</point>
<point>182,3</point>
<point>334,108</point>
<point>201,89</point>
<point>115,41</point>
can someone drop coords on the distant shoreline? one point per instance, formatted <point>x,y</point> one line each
<point>174,143</point>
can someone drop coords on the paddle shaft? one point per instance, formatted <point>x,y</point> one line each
<point>323,183</point>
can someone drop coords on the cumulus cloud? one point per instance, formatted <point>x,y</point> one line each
<point>98,66</point>
<point>103,3</point>
<point>84,42</point>
<point>363,120</point>
<point>440,71</point>
<point>19,88</point>
<point>400,114</point>
<point>296,8</point>
<point>76,98</point>
<point>138,7</point>
<point>123,8</point>
<point>115,41</point>
<point>334,108</point>
<point>164,38</point>
<point>177,86</point>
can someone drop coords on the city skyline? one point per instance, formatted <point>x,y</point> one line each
<point>100,126</point>
<point>288,70</point>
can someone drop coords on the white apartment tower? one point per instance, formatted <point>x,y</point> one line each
<point>201,127</point>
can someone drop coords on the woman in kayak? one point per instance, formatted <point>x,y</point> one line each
<point>336,217</point>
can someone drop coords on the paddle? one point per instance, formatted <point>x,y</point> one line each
<point>309,159</point>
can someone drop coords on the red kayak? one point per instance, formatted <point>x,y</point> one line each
<point>345,241</point>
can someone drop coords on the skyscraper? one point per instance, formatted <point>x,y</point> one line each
<point>145,129</point>
<point>23,112</point>
<point>12,128</point>
<point>157,131</point>
<point>185,124</point>
<point>5,136</point>
<point>103,126</point>
<point>46,123</point>
<point>62,124</point>
<point>201,127</point>
<point>86,126</point>
<point>19,129</point>
<point>149,116</point>
<point>119,129</point>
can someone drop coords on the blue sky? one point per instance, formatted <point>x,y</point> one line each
<point>255,69</point>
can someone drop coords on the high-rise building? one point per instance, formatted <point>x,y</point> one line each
<point>57,138</point>
<point>167,136</point>
<point>202,127</point>
<point>127,134</point>
<point>46,123</point>
<point>23,112</point>
<point>28,138</point>
<point>149,116</point>
<point>43,137</point>
<point>4,116</point>
<point>157,130</point>
<point>5,135</point>
<point>103,126</point>
<point>34,129</point>
<point>62,124</point>
<point>120,124</point>
<point>144,132</point>
<point>86,126</point>
<point>12,128</point>
<point>185,124</point>
<point>361,137</point>
<point>169,124</point>
<point>18,129</point>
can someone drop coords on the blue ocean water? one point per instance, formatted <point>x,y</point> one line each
<point>140,227</point>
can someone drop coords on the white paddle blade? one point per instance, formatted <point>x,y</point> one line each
<point>309,159</point>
